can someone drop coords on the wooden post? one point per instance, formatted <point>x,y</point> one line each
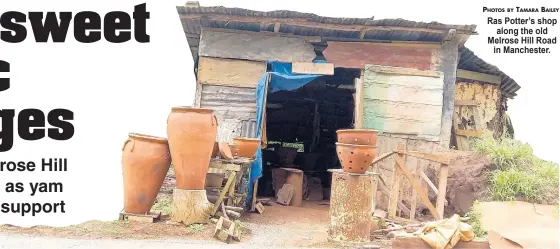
<point>350,207</point>
<point>442,189</point>
<point>359,102</point>
<point>254,198</point>
<point>294,177</point>
<point>414,197</point>
<point>191,206</point>
<point>374,187</point>
<point>396,183</point>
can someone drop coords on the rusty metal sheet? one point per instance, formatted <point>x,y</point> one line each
<point>229,72</point>
<point>254,46</point>
<point>235,109</point>
<point>358,54</point>
<point>403,104</point>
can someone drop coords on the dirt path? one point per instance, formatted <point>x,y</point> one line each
<point>25,242</point>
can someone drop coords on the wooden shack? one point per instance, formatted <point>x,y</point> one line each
<point>406,76</point>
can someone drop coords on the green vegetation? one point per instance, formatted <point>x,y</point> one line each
<point>163,204</point>
<point>474,221</point>
<point>195,228</point>
<point>519,174</point>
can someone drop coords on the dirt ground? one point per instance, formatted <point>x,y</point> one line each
<point>279,226</point>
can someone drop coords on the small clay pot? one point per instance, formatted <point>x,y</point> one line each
<point>355,158</point>
<point>225,150</point>
<point>357,136</point>
<point>145,162</point>
<point>245,147</point>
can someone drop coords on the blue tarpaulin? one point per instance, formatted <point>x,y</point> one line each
<point>281,78</point>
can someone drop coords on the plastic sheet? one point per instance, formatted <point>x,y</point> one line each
<point>281,78</point>
<point>444,234</point>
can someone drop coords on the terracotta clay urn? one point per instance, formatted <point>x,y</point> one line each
<point>355,158</point>
<point>145,162</point>
<point>245,147</point>
<point>357,136</point>
<point>192,135</point>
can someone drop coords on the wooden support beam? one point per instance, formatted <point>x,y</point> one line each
<point>229,182</point>
<point>427,156</point>
<point>466,103</point>
<point>468,133</point>
<point>481,77</point>
<point>403,71</point>
<point>430,183</point>
<point>414,195</point>
<point>359,103</point>
<point>440,202</point>
<point>396,183</point>
<point>379,158</point>
<point>376,179</point>
<point>416,185</point>
<point>406,242</point>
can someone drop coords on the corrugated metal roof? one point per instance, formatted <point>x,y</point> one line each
<point>195,18</point>
<point>320,19</point>
<point>469,61</point>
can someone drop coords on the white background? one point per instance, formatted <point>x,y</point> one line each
<point>114,89</point>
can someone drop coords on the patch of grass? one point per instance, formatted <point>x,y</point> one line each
<point>506,153</point>
<point>474,221</point>
<point>195,228</point>
<point>519,174</point>
<point>163,204</point>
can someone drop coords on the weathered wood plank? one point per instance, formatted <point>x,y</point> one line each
<point>468,133</point>
<point>358,54</point>
<point>359,103</point>
<point>403,104</point>
<point>442,187</point>
<point>429,182</point>
<point>229,72</point>
<point>396,183</point>
<point>481,77</point>
<point>256,46</point>
<point>466,103</point>
<point>427,156</point>
<point>414,195</point>
<point>379,158</point>
<point>416,185</point>
<point>413,242</point>
<point>403,71</point>
<point>313,68</point>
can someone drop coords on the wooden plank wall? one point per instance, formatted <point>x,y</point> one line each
<point>229,72</point>
<point>403,104</point>
<point>408,55</point>
<point>254,46</point>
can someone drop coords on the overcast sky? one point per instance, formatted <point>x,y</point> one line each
<point>532,111</point>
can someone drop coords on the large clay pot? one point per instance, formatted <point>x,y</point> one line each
<point>192,135</point>
<point>357,136</point>
<point>245,147</point>
<point>145,162</point>
<point>355,158</point>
